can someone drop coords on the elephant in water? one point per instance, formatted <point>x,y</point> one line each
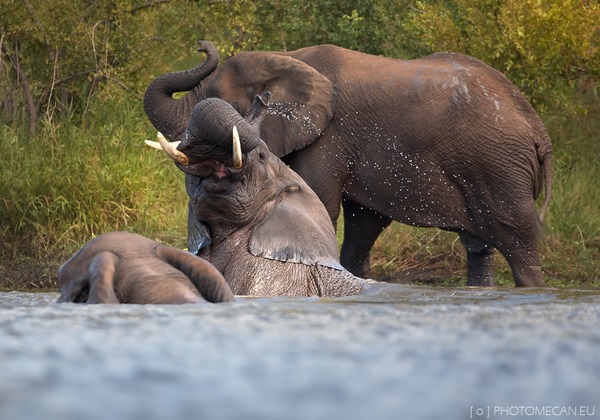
<point>443,141</point>
<point>256,220</point>
<point>122,267</point>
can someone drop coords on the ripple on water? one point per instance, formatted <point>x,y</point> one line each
<point>418,351</point>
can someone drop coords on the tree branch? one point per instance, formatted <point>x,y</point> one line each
<point>148,5</point>
<point>32,108</point>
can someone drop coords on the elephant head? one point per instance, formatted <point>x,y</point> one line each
<point>250,215</point>
<point>306,98</point>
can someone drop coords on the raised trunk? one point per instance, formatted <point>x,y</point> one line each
<point>170,115</point>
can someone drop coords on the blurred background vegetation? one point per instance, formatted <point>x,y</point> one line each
<point>73,72</point>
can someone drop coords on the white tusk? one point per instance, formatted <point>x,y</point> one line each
<point>153,144</point>
<point>237,149</point>
<point>169,148</point>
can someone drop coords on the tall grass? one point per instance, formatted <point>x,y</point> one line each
<point>72,182</point>
<point>69,184</point>
<point>571,249</point>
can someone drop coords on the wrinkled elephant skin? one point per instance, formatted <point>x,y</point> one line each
<point>443,141</point>
<point>122,267</point>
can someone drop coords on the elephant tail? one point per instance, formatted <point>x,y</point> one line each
<point>544,152</point>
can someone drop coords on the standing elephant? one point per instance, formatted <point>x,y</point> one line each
<point>443,141</point>
<point>255,219</point>
<point>121,267</point>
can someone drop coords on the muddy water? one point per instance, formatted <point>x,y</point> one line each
<point>397,352</point>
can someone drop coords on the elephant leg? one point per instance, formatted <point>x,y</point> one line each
<point>362,227</point>
<point>102,271</point>
<point>480,261</point>
<point>528,275</point>
<point>520,248</point>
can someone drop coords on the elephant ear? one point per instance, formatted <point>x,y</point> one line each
<point>302,99</point>
<point>294,232</point>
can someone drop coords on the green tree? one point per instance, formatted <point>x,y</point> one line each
<point>541,45</point>
<point>373,27</point>
<point>61,53</point>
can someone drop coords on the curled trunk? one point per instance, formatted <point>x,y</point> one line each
<point>170,115</point>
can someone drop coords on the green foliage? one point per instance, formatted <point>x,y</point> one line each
<point>573,231</point>
<point>67,184</point>
<point>542,46</point>
<point>372,27</point>
<point>62,53</point>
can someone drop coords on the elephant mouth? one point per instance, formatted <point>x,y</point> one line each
<point>217,177</point>
<point>212,168</point>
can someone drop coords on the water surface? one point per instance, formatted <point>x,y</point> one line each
<point>397,352</point>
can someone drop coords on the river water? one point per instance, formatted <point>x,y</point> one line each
<point>396,352</point>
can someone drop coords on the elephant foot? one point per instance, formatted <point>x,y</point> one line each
<point>359,267</point>
<point>529,276</point>
<point>480,261</point>
<point>481,270</point>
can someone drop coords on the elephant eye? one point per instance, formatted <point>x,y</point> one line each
<point>261,155</point>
